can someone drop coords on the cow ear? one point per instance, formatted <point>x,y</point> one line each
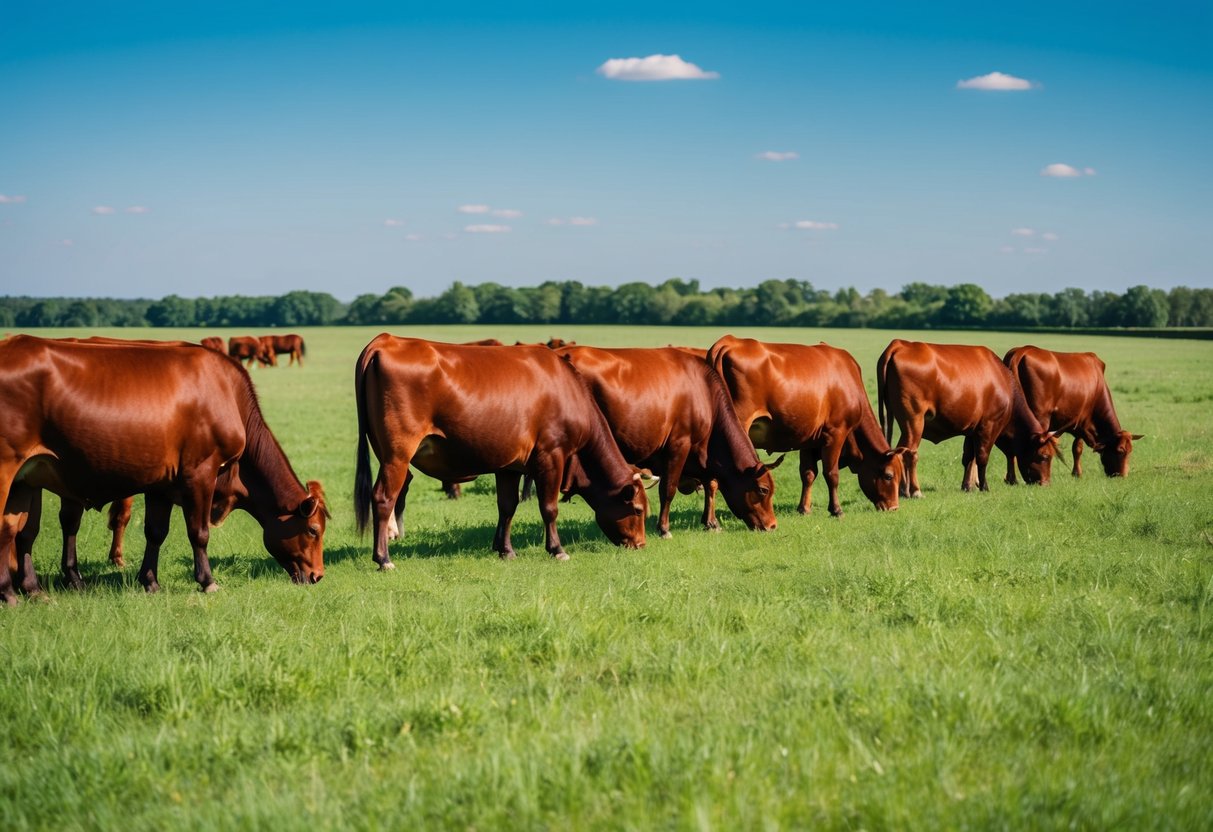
<point>308,507</point>
<point>1136,436</point>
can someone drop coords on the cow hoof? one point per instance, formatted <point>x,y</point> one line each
<point>510,555</point>
<point>560,555</point>
<point>151,587</point>
<point>387,567</point>
<point>665,534</point>
<point>41,597</point>
<point>803,510</point>
<point>118,563</point>
<point>209,588</point>
<point>836,514</point>
<point>711,528</point>
<point>917,495</point>
<point>75,582</point>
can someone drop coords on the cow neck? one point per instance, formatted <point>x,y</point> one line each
<point>868,438</point>
<point>604,465</point>
<point>274,488</point>
<point>727,441</point>
<point>1105,426</point>
<point>1023,419</point>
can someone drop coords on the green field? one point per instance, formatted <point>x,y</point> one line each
<point>1027,657</point>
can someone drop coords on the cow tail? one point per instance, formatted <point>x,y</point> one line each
<point>882,368</point>
<point>363,488</point>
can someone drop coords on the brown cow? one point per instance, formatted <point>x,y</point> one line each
<point>213,343</point>
<point>937,391</point>
<point>291,345</point>
<point>811,399</point>
<point>670,412</point>
<point>1068,393</point>
<point>267,350</point>
<point>250,349</point>
<point>455,411</point>
<point>99,422</point>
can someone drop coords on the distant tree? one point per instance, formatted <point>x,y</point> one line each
<point>633,303</point>
<point>457,305</point>
<point>42,313</point>
<point>172,311</point>
<point>1069,307</point>
<point>966,304</point>
<point>1144,307</point>
<point>542,305</point>
<point>81,313</point>
<point>500,304</point>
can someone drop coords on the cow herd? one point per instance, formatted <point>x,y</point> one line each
<point>100,420</point>
<point>264,350</point>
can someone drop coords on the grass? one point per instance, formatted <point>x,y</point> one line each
<point>1024,658</point>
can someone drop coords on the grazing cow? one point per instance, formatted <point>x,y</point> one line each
<point>455,411</point>
<point>250,349</point>
<point>95,422</point>
<point>213,343</point>
<point>1068,393</point>
<point>291,345</point>
<point>267,349</point>
<point>811,399</point>
<point>670,412</point>
<point>937,391</point>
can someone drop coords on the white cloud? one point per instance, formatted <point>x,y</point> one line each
<point>473,209</point>
<point>487,229</point>
<point>1022,232</point>
<point>392,223</point>
<point>1007,249</point>
<point>654,68</point>
<point>1064,171</point>
<point>413,238</point>
<point>1050,236</point>
<point>66,243</point>
<point>507,213</point>
<point>583,221</point>
<point>810,225</point>
<point>137,209</point>
<point>103,210</point>
<point>778,155</point>
<point>555,221</point>
<point>15,198</point>
<point>995,81</point>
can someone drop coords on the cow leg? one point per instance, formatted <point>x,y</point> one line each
<point>528,487</point>
<point>196,508</point>
<point>507,504</point>
<point>831,453</point>
<point>667,488</point>
<point>157,512</point>
<point>547,492</point>
<point>1077,449</point>
<point>119,519</point>
<point>1008,449</point>
<point>808,473</point>
<point>709,506</point>
<point>911,437</point>
<point>28,503</point>
<point>968,459</point>
<point>70,513</point>
<point>395,524</point>
<point>388,498</point>
<point>982,447</point>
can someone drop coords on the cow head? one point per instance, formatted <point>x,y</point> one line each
<point>750,494</point>
<point>881,475</point>
<point>296,539</point>
<point>265,351</point>
<point>1034,456</point>
<point>619,513</point>
<point>1115,455</point>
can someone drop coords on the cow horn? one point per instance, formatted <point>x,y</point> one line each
<point>770,466</point>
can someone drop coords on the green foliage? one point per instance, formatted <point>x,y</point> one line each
<point>1024,658</point>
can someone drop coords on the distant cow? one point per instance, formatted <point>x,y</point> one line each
<point>215,344</point>
<point>455,411</point>
<point>670,412</point>
<point>937,391</point>
<point>99,422</point>
<point>796,397</point>
<point>247,348</point>
<point>291,345</point>
<point>1068,393</point>
<point>267,350</point>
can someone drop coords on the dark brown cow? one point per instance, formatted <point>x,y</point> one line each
<point>99,422</point>
<point>455,411</point>
<point>267,350</point>
<point>1068,393</point>
<point>795,397</point>
<point>216,344</point>
<point>669,412</point>
<point>250,349</point>
<point>291,345</point>
<point>937,391</point>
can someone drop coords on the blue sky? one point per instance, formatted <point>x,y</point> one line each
<point>152,148</point>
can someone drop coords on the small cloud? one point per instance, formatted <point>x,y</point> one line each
<point>654,68</point>
<point>810,225</point>
<point>137,209</point>
<point>14,199</point>
<point>413,238</point>
<point>583,221</point>
<point>1062,171</point>
<point>487,229</point>
<point>507,213</point>
<point>995,82</point>
<point>473,209</point>
<point>1022,232</point>
<point>392,223</point>
<point>1007,249</point>
<point>1035,251</point>
<point>103,210</point>
<point>778,155</point>
<point>1050,236</point>
<point>66,243</point>
<point>555,221</point>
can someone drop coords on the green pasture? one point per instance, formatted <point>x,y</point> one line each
<point>1023,658</point>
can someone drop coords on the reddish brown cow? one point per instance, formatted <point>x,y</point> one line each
<point>811,398</point>
<point>216,344</point>
<point>455,411</point>
<point>1068,393</point>
<point>267,350</point>
<point>937,391</point>
<point>99,422</point>
<point>291,345</point>
<point>669,412</point>
<point>250,349</point>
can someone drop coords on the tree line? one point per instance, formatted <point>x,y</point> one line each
<point>674,302</point>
